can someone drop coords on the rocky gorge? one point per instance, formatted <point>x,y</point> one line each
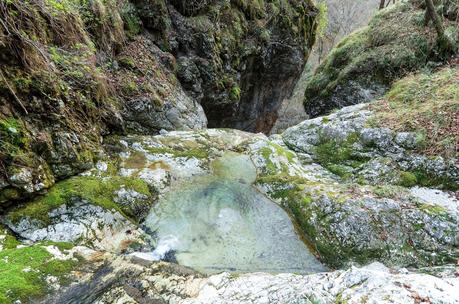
<point>163,191</point>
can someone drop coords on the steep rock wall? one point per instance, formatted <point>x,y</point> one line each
<point>239,59</point>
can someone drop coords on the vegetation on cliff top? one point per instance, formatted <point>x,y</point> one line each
<point>396,42</point>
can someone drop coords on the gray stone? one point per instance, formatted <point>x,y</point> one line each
<point>162,283</point>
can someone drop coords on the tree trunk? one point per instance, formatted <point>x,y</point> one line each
<point>382,4</point>
<point>438,24</point>
<point>445,44</point>
<point>388,3</point>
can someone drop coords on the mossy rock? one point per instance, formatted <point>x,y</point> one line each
<point>24,271</point>
<point>99,191</point>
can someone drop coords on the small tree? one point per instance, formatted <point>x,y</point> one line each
<point>446,45</point>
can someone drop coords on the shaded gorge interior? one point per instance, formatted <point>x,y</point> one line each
<point>220,222</point>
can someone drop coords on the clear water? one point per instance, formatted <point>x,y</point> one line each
<point>222,223</point>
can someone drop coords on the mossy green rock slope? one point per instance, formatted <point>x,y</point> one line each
<point>32,272</point>
<point>390,151</point>
<point>363,65</point>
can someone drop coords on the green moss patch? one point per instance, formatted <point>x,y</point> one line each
<point>11,132</point>
<point>23,272</point>
<point>275,151</point>
<point>7,240</point>
<point>97,191</point>
<point>429,179</point>
<point>338,155</point>
<point>13,139</point>
<point>284,187</point>
<point>408,179</point>
<point>433,209</point>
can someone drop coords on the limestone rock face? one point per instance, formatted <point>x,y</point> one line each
<point>132,282</point>
<point>152,101</point>
<point>239,59</point>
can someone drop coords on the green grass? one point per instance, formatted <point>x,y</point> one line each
<point>235,93</point>
<point>17,284</point>
<point>427,104</point>
<point>97,191</point>
<point>10,242</point>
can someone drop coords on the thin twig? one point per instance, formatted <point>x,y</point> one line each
<point>12,92</point>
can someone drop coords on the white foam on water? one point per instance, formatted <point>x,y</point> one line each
<point>165,245</point>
